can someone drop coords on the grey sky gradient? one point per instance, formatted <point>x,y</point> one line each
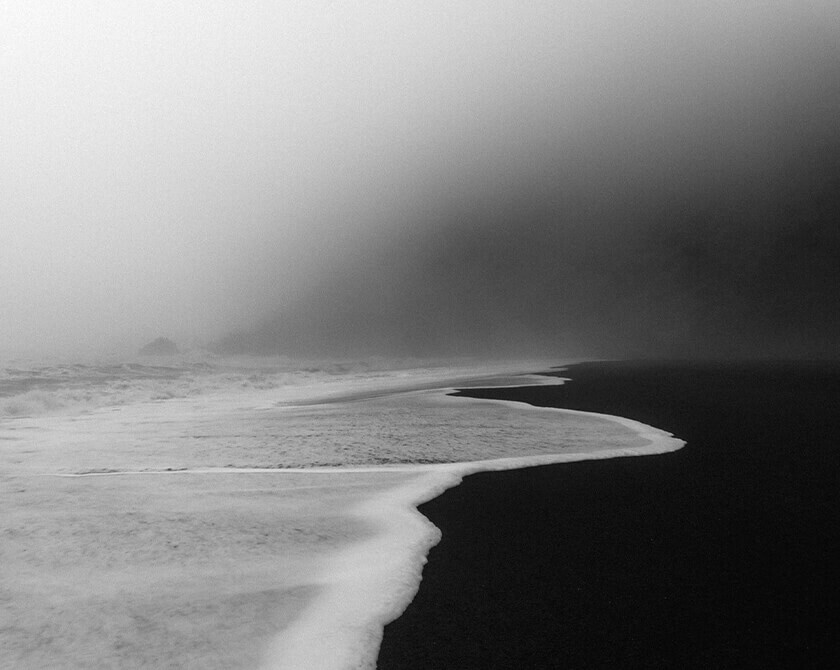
<point>404,177</point>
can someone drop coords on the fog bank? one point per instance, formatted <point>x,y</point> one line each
<point>598,178</point>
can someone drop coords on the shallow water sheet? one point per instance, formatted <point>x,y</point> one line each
<point>167,570</point>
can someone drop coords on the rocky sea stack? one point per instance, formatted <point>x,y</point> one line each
<point>162,346</point>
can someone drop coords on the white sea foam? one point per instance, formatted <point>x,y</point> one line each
<point>332,449</point>
<point>31,388</point>
<point>370,584</point>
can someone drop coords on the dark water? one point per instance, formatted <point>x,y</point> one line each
<point>724,554</point>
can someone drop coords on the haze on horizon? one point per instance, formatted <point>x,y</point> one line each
<point>580,178</point>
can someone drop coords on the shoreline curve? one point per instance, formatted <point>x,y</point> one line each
<point>343,628</point>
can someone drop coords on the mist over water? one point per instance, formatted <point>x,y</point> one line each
<point>609,178</point>
<point>689,221</point>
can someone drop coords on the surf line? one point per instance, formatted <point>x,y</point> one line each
<point>370,583</point>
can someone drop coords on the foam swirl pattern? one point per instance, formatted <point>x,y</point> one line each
<point>270,526</point>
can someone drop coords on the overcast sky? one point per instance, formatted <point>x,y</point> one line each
<point>385,172</point>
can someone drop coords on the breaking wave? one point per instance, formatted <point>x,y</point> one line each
<point>36,388</point>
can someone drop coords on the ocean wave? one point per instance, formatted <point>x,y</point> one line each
<point>35,388</point>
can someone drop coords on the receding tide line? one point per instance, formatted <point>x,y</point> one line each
<point>369,584</point>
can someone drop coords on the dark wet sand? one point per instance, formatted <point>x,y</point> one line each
<point>725,554</point>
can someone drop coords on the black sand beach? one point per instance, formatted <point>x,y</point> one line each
<point>724,554</point>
